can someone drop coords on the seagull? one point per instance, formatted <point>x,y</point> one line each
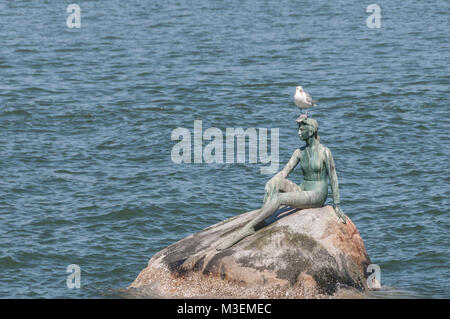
<point>303,100</point>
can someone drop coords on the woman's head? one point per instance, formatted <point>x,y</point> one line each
<point>307,127</point>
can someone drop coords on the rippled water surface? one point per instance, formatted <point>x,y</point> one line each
<point>86,117</point>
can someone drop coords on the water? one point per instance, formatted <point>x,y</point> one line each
<point>86,117</point>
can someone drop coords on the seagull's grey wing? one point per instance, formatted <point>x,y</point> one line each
<point>309,99</point>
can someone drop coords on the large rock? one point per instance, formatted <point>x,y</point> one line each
<point>301,254</point>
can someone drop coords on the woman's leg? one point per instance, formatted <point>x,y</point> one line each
<point>277,185</point>
<point>297,199</point>
<point>302,199</point>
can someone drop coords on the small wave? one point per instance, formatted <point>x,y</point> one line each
<point>9,112</point>
<point>386,292</point>
<point>40,89</point>
<point>122,214</point>
<point>26,51</point>
<point>9,261</point>
<point>52,222</point>
<point>64,171</point>
<point>110,37</point>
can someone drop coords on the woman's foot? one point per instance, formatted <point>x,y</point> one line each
<point>340,214</point>
<point>235,237</point>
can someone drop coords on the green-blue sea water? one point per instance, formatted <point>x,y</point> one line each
<point>86,116</point>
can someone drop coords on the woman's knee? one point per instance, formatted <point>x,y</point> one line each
<point>274,182</point>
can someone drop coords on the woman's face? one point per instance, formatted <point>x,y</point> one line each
<point>305,131</point>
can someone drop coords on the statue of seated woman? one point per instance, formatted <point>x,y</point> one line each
<point>316,164</point>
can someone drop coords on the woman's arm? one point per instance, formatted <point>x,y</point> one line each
<point>289,167</point>
<point>331,170</point>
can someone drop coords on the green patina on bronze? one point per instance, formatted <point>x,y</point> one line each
<point>317,165</point>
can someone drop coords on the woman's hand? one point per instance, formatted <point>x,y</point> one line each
<point>340,214</point>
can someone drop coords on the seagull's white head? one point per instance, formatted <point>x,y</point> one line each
<point>299,88</point>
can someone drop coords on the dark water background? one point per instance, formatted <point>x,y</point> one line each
<point>86,117</point>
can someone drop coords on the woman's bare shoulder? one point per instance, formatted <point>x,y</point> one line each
<point>325,150</point>
<point>298,152</point>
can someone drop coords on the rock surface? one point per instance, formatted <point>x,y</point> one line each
<point>301,254</point>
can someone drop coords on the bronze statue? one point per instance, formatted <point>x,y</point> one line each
<point>316,164</point>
